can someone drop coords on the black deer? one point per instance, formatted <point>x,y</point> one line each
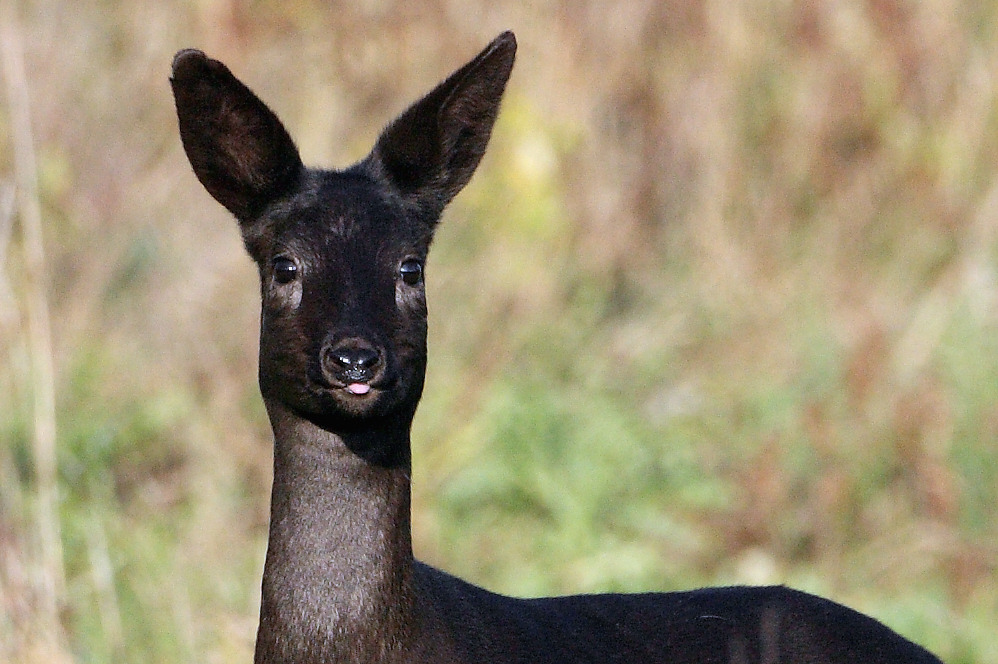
<point>342,362</point>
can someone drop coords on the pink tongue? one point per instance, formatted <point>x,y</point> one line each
<point>358,388</point>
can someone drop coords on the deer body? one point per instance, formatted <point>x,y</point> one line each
<point>342,362</point>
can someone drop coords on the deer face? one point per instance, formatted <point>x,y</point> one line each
<point>343,324</point>
<point>341,253</point>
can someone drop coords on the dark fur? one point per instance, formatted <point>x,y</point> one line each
<point>343,308</point>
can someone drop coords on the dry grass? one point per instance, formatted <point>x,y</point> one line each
<point>719,307</point>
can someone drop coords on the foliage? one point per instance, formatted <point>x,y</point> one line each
<point>719,307</point>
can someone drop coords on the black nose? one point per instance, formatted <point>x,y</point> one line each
<point>351,360</point>
<point>355,358</point>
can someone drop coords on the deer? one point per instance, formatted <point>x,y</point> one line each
<point>341,256</point>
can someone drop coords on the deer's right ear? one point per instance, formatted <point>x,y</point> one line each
<point>431,151</point>
<point>238,148</point>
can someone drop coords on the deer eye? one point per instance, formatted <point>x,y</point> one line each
<point>411,271</point>
<point>285,270</point>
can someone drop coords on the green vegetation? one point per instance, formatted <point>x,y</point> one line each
<point>721,306</point>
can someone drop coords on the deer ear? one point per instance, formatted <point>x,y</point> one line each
<point>431,151</point>
<point>238,148</point>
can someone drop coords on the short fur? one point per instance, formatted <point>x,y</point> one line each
<point>342,362</point>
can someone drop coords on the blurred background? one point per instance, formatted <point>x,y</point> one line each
<point>720,306</point>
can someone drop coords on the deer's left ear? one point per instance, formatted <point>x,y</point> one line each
<point>238,148</point>
<point>431,151</point>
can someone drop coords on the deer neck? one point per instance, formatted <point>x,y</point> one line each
<point>338,574</point>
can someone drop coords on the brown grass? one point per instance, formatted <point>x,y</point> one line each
<point>719,307</point>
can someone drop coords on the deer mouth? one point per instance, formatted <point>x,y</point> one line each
<point>356,381</point>
<point>352,388</point>
<point>356,389</point>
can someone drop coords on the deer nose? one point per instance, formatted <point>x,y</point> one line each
<point>355,358</point>
<point>351,361</point>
